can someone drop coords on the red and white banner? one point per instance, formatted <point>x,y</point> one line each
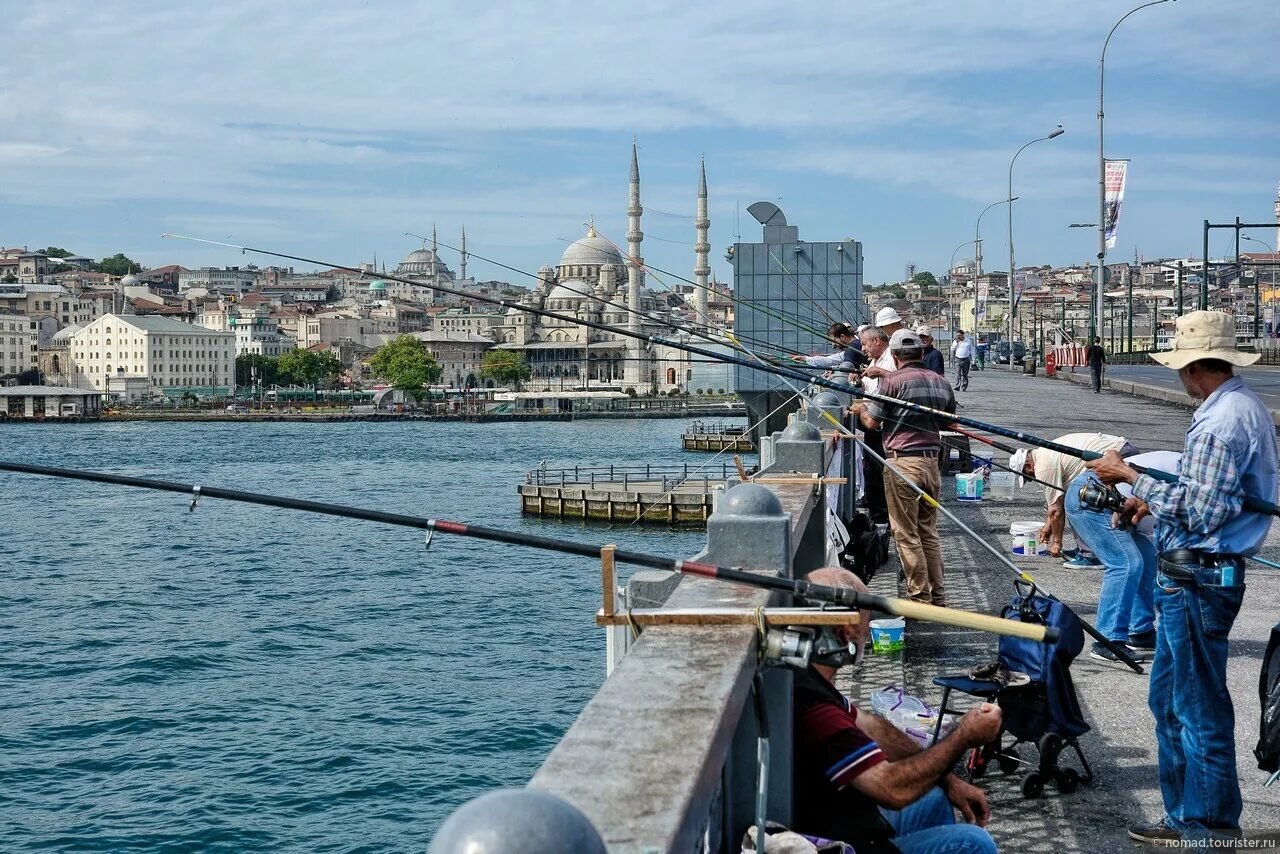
<point>1114,187</point>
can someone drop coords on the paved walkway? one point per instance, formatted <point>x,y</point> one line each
<point>1121,747</point>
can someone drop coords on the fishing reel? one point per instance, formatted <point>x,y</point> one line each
<point>1102,498</point>
<point>800,646</point>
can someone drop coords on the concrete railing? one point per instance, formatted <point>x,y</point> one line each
<point>663,758</point>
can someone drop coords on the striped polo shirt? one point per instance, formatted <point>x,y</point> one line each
<point>905,430</point>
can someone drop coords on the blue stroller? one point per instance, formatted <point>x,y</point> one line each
<point>1043,712</point>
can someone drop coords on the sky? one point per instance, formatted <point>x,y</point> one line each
<point>329,129</point>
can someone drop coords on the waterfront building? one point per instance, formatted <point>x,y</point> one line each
<point>169,353</point>
<point>460,355</point>
<point>38,401</point>
<point>17,344</point>
<point>54,358</point>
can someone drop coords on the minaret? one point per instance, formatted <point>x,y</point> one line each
<point>463,267</point>
<point>701,269</point>
<point>635,270</point>
<point>1277,243</point>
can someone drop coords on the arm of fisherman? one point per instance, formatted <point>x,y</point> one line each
<point>899,783</point>
<point>1055,524</point>
<point>1207,494</point>
<point>834,360</point>
<point>897,745</point>
<point>863,413</point>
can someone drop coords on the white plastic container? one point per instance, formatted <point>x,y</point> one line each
<point>1000,485</point>
<point>1025,539</point>
<point>969,486</point>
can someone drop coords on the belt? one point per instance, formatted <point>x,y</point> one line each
<point>895,454</point>
<point>1193,565</point>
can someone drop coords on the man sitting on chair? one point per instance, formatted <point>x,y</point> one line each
<point>861,780</point>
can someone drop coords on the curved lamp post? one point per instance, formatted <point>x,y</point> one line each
<point>977,263</point>
<point>1056,132</point>
<point>1102,173</point>
<point>1257,307</point>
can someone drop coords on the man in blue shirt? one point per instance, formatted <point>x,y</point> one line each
<point>1203,534</point>
<point>850,350</point>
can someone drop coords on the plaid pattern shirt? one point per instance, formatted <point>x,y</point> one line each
<point>1230,453</point>
<point>905,430</point>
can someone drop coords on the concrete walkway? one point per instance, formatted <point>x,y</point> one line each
<point>1121,747</point>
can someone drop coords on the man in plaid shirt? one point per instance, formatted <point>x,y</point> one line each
<point>1204,534</point>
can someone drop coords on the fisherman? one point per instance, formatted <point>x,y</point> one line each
<point>861,780</point>
<point>889,320</point>
<point>876,345</point>
<point>1096,358</point>
<point>1126,614</point>
<point>850,350</point>
<point>912,443</point>
<point>962,353</point>
<point>1204,534</point>
<point>932,355</point>
<point>1057,470</point>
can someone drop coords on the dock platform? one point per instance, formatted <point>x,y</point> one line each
<point>665,495</point>
<point>716,436</point>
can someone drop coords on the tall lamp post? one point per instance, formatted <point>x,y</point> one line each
<point>1102,170</point>
<point>977,263</point>
<point>1056,132</point>
<point>951,267</point>
<point>1257,290</point>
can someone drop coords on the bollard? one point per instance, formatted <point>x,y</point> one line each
<point>750,528</point>
<point>799,449</point>
<point>828,402</point>
<point>517,820</point>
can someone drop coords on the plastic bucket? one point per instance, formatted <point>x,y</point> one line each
<point>969,486</point>
<point>1000,485</point>
<point>888,635</point>
<point>1025,542</point>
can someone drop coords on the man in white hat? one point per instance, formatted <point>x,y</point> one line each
<point>1203,533</point>
<point>889,320</point>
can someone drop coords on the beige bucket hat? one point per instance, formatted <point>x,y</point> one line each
<point>1204,335</point>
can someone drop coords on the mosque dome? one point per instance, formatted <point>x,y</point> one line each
<point>377,286</point>
<point>66,333</point>
<point>419,256</point>
<point>590,251</point>
<point>575,293</point>
<point>129,281</point>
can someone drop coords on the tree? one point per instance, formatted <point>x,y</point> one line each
<point>505,367</point>
<point>56,252</point>
<point>117,265</point>
<point>307,367</point>
<point>925,280</point>
<point>267,369</point>
<point>405,362</point>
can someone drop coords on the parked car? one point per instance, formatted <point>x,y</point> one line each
<point>1002,352</point>
<point>238,409</point>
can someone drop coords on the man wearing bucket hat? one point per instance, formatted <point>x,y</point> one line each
<point>1057,471</point>
<point>912,443</point>
<point>1203,533</point>
<point>888,321</point>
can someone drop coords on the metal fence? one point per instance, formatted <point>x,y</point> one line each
<point>623,475</point>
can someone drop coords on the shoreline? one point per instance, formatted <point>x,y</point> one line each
<point>332,417</point>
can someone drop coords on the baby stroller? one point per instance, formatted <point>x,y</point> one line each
<point>1043,712</point>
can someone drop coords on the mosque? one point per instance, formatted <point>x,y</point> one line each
<point>596,282</point>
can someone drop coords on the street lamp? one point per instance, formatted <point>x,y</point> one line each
<point>1257,290</point>
<point>1056,132</point>
<point>1102,169</point>
<point>977,261</point>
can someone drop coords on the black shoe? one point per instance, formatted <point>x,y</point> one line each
<point>1101,653</point>
<point>1156,834</point>
<point>1144,641</point>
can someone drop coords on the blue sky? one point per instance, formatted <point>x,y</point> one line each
<point>329,129</point>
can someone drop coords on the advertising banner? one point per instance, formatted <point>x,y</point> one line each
<point>1114,187</point>
<point>980,304</point>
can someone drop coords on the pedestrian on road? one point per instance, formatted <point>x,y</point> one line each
<point>932,355</point>
<point>912,444</point>
<point>1096,357</point>
<point>1203,533</point>
<point>962,353</point>
<point>981,348</point>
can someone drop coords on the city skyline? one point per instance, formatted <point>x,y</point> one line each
<point>317,131</point>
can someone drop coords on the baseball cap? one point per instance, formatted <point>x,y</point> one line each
<point>905,339</point>
<point>887,315</point>
<point>924,331</point>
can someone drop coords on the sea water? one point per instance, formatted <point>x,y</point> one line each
<point>246,678</point>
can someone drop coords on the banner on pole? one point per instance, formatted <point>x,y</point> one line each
<point>980,302</point>
<point>1019,285</point>
<point>1113,183</point>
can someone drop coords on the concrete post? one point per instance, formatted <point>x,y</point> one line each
<point>799,449</point>
<point>517,820</point>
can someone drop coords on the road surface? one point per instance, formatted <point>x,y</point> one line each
<point>1265,381</point>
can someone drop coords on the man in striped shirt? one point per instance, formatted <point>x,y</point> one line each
<point>861,780</point>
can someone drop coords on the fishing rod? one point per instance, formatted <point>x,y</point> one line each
<point>1257,505</point>
<point>841,596</point>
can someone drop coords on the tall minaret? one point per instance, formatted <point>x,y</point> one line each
<point>463,266</point>
<point>701,269</point>
<point>1277,243</point>
<point>635,270</point>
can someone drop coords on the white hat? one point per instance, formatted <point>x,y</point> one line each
<point>924,330</point>
<point>862,327</point>
<point>887,316</point>
<point>1204,335</point>
<point>905,339</point>
<point>1018,462</point>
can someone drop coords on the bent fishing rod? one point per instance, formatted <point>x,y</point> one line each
<point>840,596</point>
<point>1257,505</point>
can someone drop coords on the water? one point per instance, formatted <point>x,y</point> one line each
<point>248,678</point>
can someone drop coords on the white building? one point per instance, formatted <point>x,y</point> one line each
<point>472,322</point>
<point>17,344</point>
<point>227,280</point>
<point>257,332</point>
<point>169,353</point>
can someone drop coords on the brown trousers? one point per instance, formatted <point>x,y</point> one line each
<point>914,524</point>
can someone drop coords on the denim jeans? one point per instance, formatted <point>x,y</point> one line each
<point>1195,724</point>
<point>929,827</point>
<point>1126,603</point>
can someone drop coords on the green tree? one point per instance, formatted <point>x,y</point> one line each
<point>56,252</point>
<point>266,367</point>
<point>925,280</point>
<point>505,367</point>
<point>307,367</point>
<point>405,363</point>
<point>117,265</point>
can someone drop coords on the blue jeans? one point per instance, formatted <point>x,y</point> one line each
<point>1195,724</point>
<point>929,827</point>
<point>1126,604</point>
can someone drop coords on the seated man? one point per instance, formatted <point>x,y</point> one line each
<point>862,781</point>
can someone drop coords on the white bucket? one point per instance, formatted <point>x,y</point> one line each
<point>969,486</point>
<point>1025,540</point>
<point>1000,485</point>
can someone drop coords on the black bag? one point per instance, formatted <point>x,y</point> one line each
<point>867,549</point>
<point>1268,749</point>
